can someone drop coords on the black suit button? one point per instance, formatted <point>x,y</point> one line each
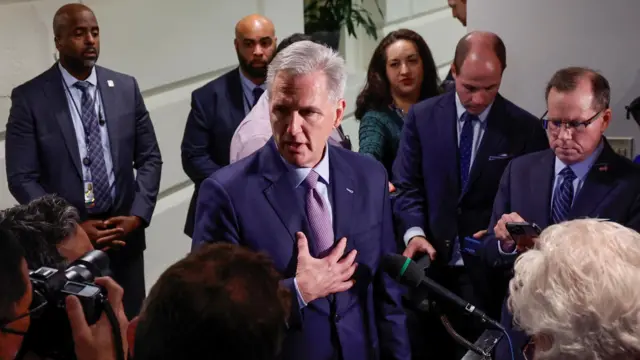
<point>459,210</point>
<point>337,318</point>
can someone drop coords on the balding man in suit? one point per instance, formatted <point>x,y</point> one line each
<point>453,150</point>
<point>83,132</point>
<point>580,176</point>
<point>218,107</point>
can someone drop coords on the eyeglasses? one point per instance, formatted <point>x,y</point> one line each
<point>554,126</point>
<point>36,309</point>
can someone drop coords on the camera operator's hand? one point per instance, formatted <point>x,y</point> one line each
<point>101,236</point>
<point>96,342</point>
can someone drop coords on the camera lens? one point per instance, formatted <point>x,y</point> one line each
<point>90,266</point>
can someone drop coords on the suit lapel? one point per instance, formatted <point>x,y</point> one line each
<point>445,125</point>
<point>287,207</point>
<point>343,192</point>
<point>540,179</point>
<point>280,193</point>
<point>112,116</point>
<point>599,182</point>
<point>56,92</point>
<point>235,96</point>
<point>492,141</point>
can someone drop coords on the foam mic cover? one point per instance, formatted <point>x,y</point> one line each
<point>403,269</point>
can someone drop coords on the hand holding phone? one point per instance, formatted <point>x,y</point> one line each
<point>518,229</point>
<point>523,233</point>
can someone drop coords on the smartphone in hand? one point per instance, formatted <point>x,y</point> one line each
<point>519,229</point>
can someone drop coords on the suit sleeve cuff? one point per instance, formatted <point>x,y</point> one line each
<point>507,250</point>
<point>413,232</point>
<point>300,299</point>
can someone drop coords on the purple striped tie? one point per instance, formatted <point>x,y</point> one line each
<point>319,216</point>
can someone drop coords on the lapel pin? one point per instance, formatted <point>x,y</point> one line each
<point>603,168</point>
<point>110,83</point>
<point>349,190</point>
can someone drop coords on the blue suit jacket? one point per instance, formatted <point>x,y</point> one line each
<point>427,177</point>
<point>611,191</point>
<point>252,203</point>
<point>42,149</point>
<point>217,109</point>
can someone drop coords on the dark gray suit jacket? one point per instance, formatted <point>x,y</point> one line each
<point>42,153</point>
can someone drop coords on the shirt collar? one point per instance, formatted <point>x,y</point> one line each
<point>582,168</point>
<point>70,80</point>
<point>299,174</point>
<point>247,84</point>
<point>460,110</point>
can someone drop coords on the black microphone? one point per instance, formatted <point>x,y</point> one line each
<point>407,272</point>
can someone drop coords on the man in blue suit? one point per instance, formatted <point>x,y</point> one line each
<point>218,107</point>
<point>453,150</point>
<point>580,176</point>
<point>295,197</point>
<point>79,130</point>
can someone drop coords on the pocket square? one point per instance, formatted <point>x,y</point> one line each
<point>499,157</point>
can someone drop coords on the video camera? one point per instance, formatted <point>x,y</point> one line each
<point>49,334</point>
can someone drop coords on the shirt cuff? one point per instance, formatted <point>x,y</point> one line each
<point>502,252</point>
<point>300,299</point>
<point>413,232</point>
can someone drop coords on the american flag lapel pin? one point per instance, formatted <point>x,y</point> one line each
<point>603,167</point>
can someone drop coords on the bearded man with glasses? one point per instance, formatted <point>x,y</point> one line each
<point>580,176</point>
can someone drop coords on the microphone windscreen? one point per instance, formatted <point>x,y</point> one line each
<point>405,272</point>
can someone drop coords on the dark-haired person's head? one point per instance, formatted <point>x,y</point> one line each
<point>15,296</point>
<point>578,112</point>
<point>401,67</point>
<point>293,38</point>
<point>459,10</point>
<point>222,302</point>
<point>48,229</point>
<point>478,65</point>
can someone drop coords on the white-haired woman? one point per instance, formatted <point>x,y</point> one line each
<point>577,292</point>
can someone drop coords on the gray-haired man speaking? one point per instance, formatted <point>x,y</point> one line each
<point>321,212</point>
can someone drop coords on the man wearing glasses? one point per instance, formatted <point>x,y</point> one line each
<point>19,304</point>
<point>580,176</point>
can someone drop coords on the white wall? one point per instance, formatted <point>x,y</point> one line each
<point>172,48</point>
<point>543,36</point>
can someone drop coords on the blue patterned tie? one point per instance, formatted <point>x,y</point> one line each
<point>466,145</point>
<point>257,92</point>
<point>95,153</point>
<point>563,196</point>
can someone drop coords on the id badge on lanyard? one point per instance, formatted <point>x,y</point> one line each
<point>89,197</point>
